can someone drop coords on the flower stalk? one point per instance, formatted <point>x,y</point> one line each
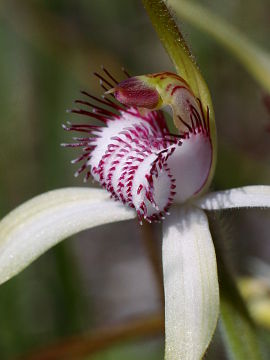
<point>184,62</point>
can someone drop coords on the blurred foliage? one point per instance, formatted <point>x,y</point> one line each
<point>49,48</point>
<point>131,352</point>
<point>257,294</point>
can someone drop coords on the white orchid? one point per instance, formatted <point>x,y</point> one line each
<point>149,172</point>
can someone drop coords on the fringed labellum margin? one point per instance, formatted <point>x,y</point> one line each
<point>134,156</point>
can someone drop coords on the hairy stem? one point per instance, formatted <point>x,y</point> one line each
<point>175,45</point>
<point>179,53</point>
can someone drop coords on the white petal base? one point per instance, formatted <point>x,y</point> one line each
<point>40,223</point>
<point>191,284</point>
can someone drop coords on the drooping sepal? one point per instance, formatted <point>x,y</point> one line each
<point>190,284</point>
<point>42,222</point>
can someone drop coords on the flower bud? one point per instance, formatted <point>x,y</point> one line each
<point>136,92</point>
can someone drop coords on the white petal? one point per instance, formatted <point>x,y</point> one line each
<point>190,165</point>
<point>248,196</point>
<point>40,223</point>
<point>191,284</point>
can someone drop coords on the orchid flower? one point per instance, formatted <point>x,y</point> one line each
<point>146,168</point>
<point>150,173</point>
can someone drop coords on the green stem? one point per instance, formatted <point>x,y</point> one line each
<point>237,327</point>
<point>178,51</point>
<point>169,34</point>
<point>175,45</point>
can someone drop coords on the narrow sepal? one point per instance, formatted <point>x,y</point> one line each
<point>190,283</point>
<point>248,196</point>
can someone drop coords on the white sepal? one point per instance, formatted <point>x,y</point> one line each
<point>190,283</point>
<point>40,223</point>
<point>248,196</point>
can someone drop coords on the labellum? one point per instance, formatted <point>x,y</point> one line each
<point>133,154</point>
